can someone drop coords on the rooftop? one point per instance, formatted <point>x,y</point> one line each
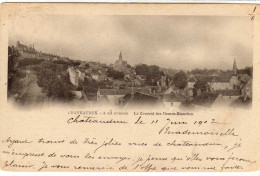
<point>228,92</point>
<point>205,99</point>
<point>173,97</point>
<point>115,91</point>
<point>222,78</point>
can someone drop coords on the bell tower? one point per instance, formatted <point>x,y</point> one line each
<point>235,67</point>
<point>120,56</point>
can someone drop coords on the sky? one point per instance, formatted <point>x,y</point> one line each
<point>178,42</point>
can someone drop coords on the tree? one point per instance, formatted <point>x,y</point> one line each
<point>11,67</point>
<point>53,84</point>
<point>180,80</point>
<point>30,61</point>
<point>115,74</point>
<point>201,84</point>
<point>141,69</point>
<point>15,74</point>
<point>150,80</point>
<point>60,62</point>
<point>91,86</point>
<point>248,70</point>
<point>74,63</point>
<point>153,70</point>
<point>87,66</point>
<point>167,81</point>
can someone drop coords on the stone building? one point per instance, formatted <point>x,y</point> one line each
<point>120,64</point>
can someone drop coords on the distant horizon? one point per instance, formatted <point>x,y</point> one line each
<point>176,42</point>
<point>130,64</point>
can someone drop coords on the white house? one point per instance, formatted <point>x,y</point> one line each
<point>220,83</point>
<point>81,75</point>
<point>191,81</point>
<point>74,76</point>
<point>173,100</point>
<point>112,96</point>
<point>234,82</point>
<point>226,97</point>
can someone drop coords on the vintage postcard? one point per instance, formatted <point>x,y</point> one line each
<point>129,87</point>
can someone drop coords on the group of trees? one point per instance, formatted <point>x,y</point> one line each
<point>201,85</point>
<point>204,71</point>
<point>141,69</point>
<point>29,61</point>
<point>246,70</point>
<point>115,74</point>
<point>152,72</point>
<point>15,74</point>
<point>67,63</point>
<point>209,72</point>
<point>144,69</point>
<point>180,80</point>
<point>53,83</point>
<point>91,86</point>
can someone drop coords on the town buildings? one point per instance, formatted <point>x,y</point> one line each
<point>93,80</point>
<point>220,88</point>
<point>29,52</point>
<point>225,90</point>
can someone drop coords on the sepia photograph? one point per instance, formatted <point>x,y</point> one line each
<point>131,61</point>
<point>99,87</point>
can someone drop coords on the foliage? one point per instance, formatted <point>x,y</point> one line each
<point>180,80</point>
<point>167,81</point>
<point>55,85</point>
<point>141,69</point>
<point>90,86</point>
<point>15,74</point>
<point>208,72</point>
<point>201,84</point>
<point>152,72</point>
<point>87,66</point>
<point>150,81</point>
<point>115,74</point>
<point>74,63</point>
<point>60,62</point>
<point>61,67</point>
<point>246,70</point>
<point>30,61</point>
<point>105,84</point>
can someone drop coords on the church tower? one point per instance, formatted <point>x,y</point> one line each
<point>120,64</point>
<point>235,67</point>
<point>120,56</point>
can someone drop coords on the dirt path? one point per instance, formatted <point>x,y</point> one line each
<point>33,93</point>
